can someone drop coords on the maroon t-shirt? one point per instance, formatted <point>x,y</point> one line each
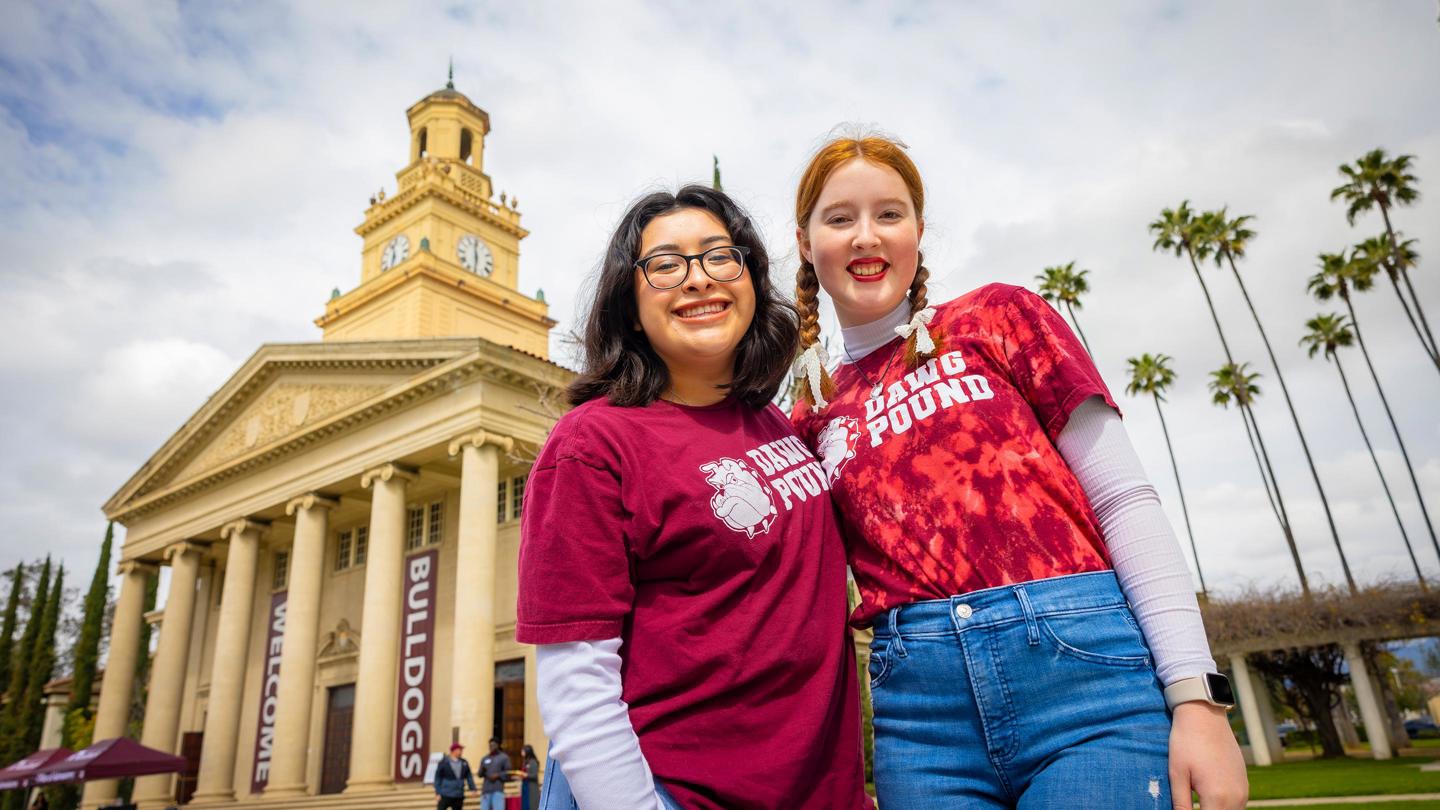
<point>705,538</point>
<point>949,480</point>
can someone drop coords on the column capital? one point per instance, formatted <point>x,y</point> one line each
<point>183,547</point>
<point>480,438</point>
<point>142,566</point>
<point>386,472</point>
<point>311,500</point>
<point>243,525</point>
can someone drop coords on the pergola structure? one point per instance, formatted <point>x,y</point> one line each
<point>1258,623</point>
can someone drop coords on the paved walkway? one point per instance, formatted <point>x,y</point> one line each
<point>1356,800</point>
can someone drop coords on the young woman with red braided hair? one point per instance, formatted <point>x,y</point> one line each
<point>1037,638</point>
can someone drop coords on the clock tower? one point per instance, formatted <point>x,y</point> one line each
<point>441,257</point>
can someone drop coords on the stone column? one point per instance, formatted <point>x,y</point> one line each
<point>1250,710</point>
<point>472,702</point>
<point>216,782</point>
<point>373,735</point>
<point>1370,712</point>
<point>1267,718</point>
<point>117,687</point>
<point>297,652</point>
<point>167,671</point>
<point>534,726</point>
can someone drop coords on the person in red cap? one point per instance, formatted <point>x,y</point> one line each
<point>451,775</point>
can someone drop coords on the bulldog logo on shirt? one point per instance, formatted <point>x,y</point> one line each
<point>836,444</point>
<point>741,498</point>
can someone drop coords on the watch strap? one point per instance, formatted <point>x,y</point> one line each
<point>1187,690</point>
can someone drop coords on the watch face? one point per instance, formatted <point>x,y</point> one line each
<point>395,252</point>
<point>474,255</point>
<point>1220,690</point>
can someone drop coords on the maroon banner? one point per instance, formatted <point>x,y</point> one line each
<point>269,693</point>
<point>417,649</point>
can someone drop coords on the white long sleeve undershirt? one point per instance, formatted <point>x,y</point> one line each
<point>585,716</point>
<point>1143,547</point>
<point>1142,544</point>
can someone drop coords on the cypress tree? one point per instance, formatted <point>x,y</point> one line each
<point>87,647</point>
<point>31,715</point>
<point>12,738</point>
<point>20,664</point>
<point>7,632</point>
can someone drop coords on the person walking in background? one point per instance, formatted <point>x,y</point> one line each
<point>494,773</point>
<point>529,779</point>
<point>451,775</point>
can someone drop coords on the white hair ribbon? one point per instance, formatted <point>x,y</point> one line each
<point>809,365</point>
<point>923,343</point>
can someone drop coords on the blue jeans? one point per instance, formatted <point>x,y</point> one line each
<point>492,801</point>
<point>1034,695</point>
<point>555,792</point>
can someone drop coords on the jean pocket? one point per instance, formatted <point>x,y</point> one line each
<point>1108,637</point>
<point>881,663</point>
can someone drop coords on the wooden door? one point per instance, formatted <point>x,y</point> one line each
<point>339,720</point>
<point>510,708</point>
<point>190,745</point>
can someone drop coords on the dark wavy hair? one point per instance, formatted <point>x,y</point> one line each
<point>619,361</point>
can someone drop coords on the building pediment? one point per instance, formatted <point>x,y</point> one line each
<point>288,396</point>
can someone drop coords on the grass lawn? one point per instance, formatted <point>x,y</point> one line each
<point>1425,805</point>
<point>1344,777</point>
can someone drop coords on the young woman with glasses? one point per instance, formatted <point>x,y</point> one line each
<point>1035,624</point>
<point>680,565</point>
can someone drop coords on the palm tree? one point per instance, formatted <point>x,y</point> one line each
<point>1228,239</point>
<point>1065,284</point>
<point>1151,374</point>
<point>1338,275</point>
<point>1374,181</point>
<point>1178,230</point>
<point>1234,382</point>
<point>1393,258</point>
<point>1329,333</point>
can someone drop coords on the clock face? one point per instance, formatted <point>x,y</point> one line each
<point>395,252</point>
<point>475,255</point>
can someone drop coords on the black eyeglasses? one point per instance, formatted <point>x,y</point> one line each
<point>665,271</point>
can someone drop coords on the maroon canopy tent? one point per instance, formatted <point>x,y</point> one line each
<point>108,759</point>
<point>17,774</point>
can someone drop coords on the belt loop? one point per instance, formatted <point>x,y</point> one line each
<point>895,641</point>
<point>1032,629</point>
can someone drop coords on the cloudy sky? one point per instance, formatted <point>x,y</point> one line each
<point>179,184</point>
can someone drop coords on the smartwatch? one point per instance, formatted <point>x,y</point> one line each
<point>1212,688</point>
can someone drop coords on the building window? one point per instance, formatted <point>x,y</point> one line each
<point>423,524</point>
<point>362,544</point>
<point>342,551</point>
<point>434,523</point>
<point>350,550</point>
<point>414,528</point>
<point>502,502</point>
<point>517,496</point>
<point>282,570</point>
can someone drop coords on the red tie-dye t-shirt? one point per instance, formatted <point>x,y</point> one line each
<point>949,481</point>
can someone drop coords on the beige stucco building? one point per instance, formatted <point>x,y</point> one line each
<point>340,519</point>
